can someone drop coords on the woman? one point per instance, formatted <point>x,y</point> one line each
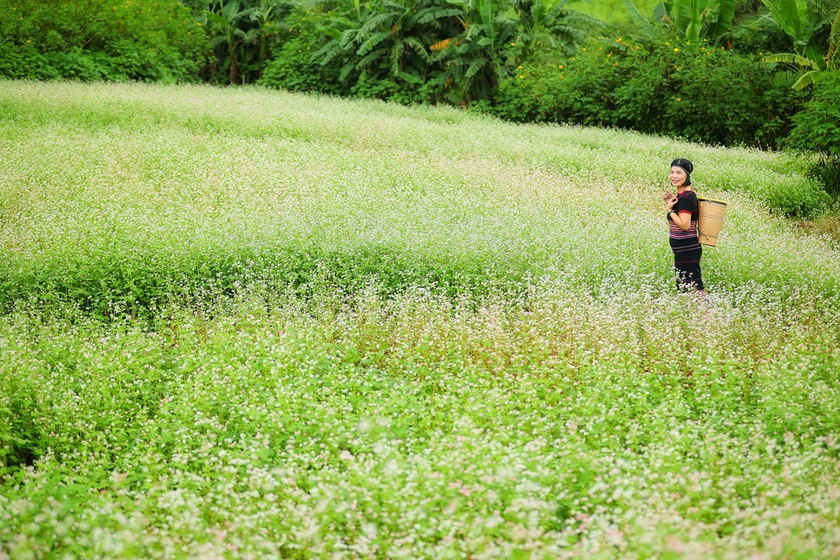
<point>683,211</point>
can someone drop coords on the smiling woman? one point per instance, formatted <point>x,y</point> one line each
<point>683,212</point>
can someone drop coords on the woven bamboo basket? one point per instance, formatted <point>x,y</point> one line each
<point>710,221</point>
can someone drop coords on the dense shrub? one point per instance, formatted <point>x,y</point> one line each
<point>665,86</point>
<point>107,40</point>
<point>817,128</point>
<point>24,61</point>
<point>757,33</point>
<point>293,67</point>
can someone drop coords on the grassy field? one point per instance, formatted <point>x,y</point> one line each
<point>240,323</point>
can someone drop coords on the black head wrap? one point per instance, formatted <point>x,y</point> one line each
<point>686,166</point>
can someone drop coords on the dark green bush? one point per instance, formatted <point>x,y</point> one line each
<point>21,442</point>
<point>803,199</point>
<point>759,34</point>
<point>817,128</point>
<point>23,61</point>
<point>150,40</point>
<point>665,86</point>
<point>293,67</point>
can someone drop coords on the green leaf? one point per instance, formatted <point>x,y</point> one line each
<point>791,58</point>
<point>636,16</point>
<point>475,66</point>
<point>681,14</point>
<point>661,12</point>
<point>814,54</point>
<point>786,16</point>
<point>805,80</point>
<point>419,49</point>
<point>372,42</point>
<point>725,13</point>
<point>692,31</point>
<point>411,79</point>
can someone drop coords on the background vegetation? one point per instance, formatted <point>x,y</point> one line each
<point>728,72</point>
<point>115,40</point>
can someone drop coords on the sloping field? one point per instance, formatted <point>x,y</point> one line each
<point>132,194</point>
<point>242,323</point>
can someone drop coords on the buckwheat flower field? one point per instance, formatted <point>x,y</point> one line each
<point>238,323</point>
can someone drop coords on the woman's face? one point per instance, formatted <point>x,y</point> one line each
<point>678,176</point>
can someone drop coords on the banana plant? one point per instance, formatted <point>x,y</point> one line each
<point>268,17</point>
<point>800,23</point>
<point>224,23</point>
<point>460,49</point>
<point>693,19</point>
<point>394,35</point>
<point>833,41</point>
<point>477,59</point>
<point>382,39</point>
<point>552,23</point>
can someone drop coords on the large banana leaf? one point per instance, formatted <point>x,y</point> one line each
<point>661,12</point>
<point>806,79</point>
<point>487,11</point>
<point>723,14</point>
<point>814,53</point>
<point>792,11</point>
<point>681,14</point>
<point>636,16</point>
<point>475,66</point>
<point>814,68</point>
<point>790,58</point>
<point>786,16</point>
<point>372,42</point>
<point>677,13</point>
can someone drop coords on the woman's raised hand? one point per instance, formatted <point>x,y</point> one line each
<point>670,201</point>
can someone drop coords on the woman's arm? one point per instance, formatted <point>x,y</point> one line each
<point>683,220</point>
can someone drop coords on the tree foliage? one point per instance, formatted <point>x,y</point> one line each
<point>817,129</point>
<point>691,19</point>
<point>152,40</point>
<point>242,34</point>
<point>453,50</point>
<point>801,22</point>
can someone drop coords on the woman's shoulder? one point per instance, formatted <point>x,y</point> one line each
<point>691,198</point>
